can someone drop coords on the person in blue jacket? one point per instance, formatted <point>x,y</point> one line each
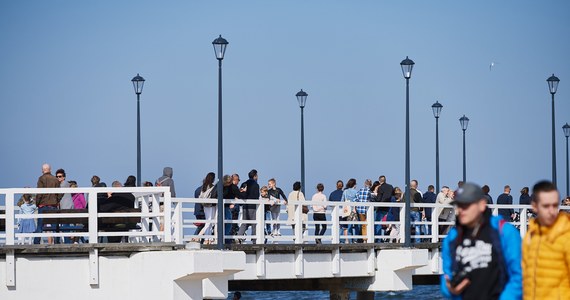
<point>482,254</point>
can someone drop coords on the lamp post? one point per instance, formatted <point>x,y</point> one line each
<point>220,45</point>
<point>464,121</point>
<point>138,83</point>
<point>566,129</point>
<point>436,107</point>
<point>407,66</point>
<point>552,87</point>
<point>302,99</point>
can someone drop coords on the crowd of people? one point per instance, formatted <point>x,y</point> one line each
<point>483,255</point>
<point>106,202</point>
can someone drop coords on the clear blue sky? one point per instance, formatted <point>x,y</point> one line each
<point>67,99</point>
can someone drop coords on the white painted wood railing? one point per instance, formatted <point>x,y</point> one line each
<point>149,199</point>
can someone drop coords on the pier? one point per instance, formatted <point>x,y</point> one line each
<point>156,263</point>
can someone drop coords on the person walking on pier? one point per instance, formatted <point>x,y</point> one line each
<point>486,191</point>
<point>349,211</point>
<point>319,212</point>
<point>385,192</point>
<point>363,195</point>
<point>445,214</point>
<point>482,254</point>
<point>275,194</point>
<point>415,212</point>
<point>546,247</point>
<point>46,201</point>
<point>210,210</point>
<point>27,207</point>
<point>166,180</point>
<point>251,193</point>
<point>506,198</point>
<point>428,197</point>
<point>296,195</point>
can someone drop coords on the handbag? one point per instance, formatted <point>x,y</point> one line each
<point>352,217</point>
<point>304,208</point>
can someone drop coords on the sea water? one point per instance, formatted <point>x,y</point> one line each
<point>419,292</point>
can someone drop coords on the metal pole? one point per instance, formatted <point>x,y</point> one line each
<point>138,139</point>
<point>220,224</point>
<point>464,164</point>
<point>553,146</point>
<point>407,238</point>
<point>302,151</point>
<point>437,155</point>
<point>567,189</point>
<point>567,180</point>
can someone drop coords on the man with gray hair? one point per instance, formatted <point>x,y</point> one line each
<point>46,201</point>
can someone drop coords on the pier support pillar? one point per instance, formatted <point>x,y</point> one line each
<point>339,295</point>
<point>364,295</point>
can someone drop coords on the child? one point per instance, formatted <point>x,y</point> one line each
<point>27,208</point>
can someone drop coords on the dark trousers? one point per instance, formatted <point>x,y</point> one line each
<point>320,229</point>
<point>39,228</point>
<point>248,215</point>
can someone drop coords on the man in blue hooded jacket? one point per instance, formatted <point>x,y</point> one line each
<point>482,254</point>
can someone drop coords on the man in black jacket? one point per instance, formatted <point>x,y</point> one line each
<point>252,193</point>
<point>384,195</point>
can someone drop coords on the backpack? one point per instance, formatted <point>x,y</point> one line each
<point>206,195</point>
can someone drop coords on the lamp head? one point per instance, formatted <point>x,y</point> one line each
<point>220,45</point>
<point>138,83</point>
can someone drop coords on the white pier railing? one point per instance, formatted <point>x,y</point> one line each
<point>431,231</point>
<point>176,221</point>
<point>85,223</point>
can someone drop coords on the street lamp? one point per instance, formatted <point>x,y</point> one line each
<point>552,87</point>
<point>138,83</point>
<point>566,129</point>
<point>464,122</point>
<point>220,45</point>
<point>436,107</point>
<point>407,66</point>
<point>302,99</point>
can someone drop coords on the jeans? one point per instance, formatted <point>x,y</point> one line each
<point>227,226</point>
<point>378,230</point>
<point>427,228</point>
<point>40,226</point>
<point>275,210</point>
<point>267,225</point>
<point>415,216</point>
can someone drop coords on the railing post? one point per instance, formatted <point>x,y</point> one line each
<point>524,222</point>
<point>335,230</point>
<point>435,225</point>
<point>10,222</point>
<point>260,222</point>
<point>403,222</point>
<point>298,223</point>
<point>93,226</point>
<point>370,224</point>
<point>167,216</point>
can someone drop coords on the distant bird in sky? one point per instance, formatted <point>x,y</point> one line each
<point>492,64</point>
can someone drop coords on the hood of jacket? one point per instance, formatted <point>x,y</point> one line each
<point>167,171</point>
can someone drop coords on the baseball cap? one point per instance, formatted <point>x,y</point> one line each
<point>468,193</point>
